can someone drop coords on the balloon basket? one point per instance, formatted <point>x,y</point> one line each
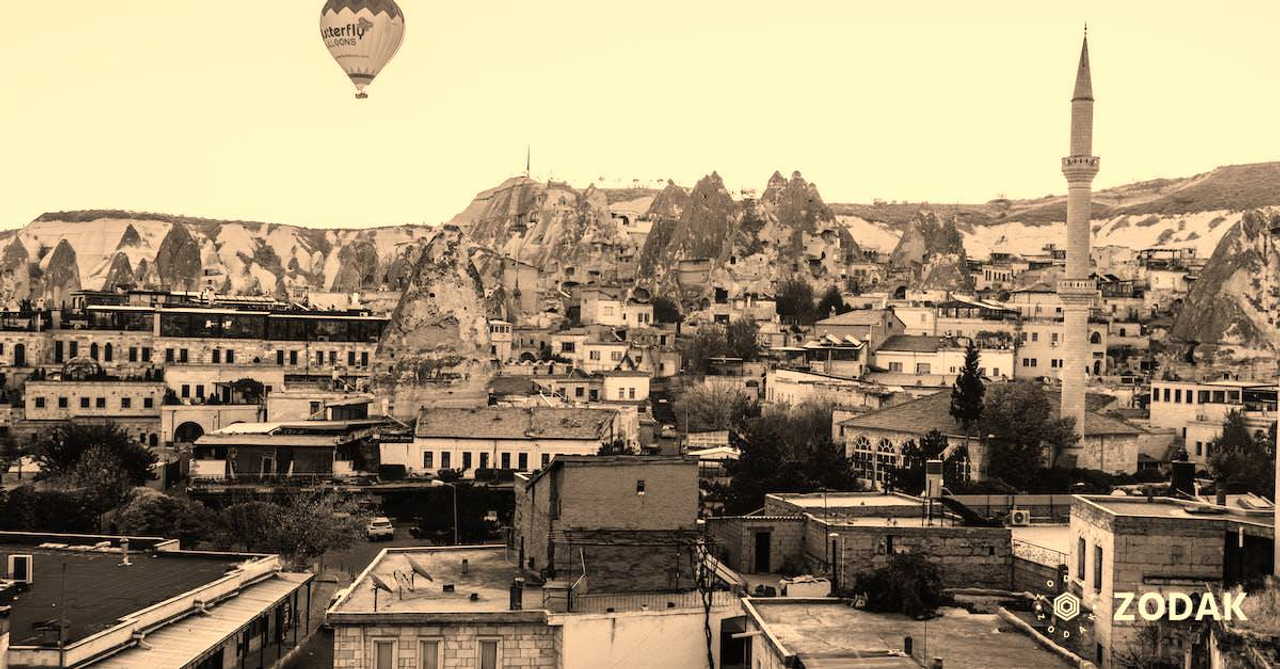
<point>361,95</point>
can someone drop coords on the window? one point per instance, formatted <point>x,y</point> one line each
<point>594,355</point>
<point>182,355</point>
<point>484,461</point>
<point>445,459</point>
<point>488,654</point>
<point>632,393</point>
<point>620,394</point>
<point>428,459</point>
<point>148,402</point>
<point>1199,448</point>
<point>1081,547</point>
<point>506,460</point>
<point>293,357</point>
<point>579,391</point>
<point>922,368</point>
<point>546,459</point>
<point>384,654</point>
<point>429,655</point>
<point>279,357</point>
<point>1177,395</point>
<point>108,352</point>
<point>364,358</point>
<point>351,358</point>
<point>84,402</point>
<point>231,357</point>
<point>615,355</point>
<point>200,391</point>
<point>62,402</point>
<point>217,356</point>
<point>640,487</point>
<point>319,357</point>
<point>100,403</point>
<point>186,390</point>
<point>39,402</point>
<point>466,459</point>
<point>133,354</point>
<point>1155,394</point>
<point>146,354</point>
<point>1166,394</point>
<point>333,357</point>
<point>566,347</point>
<point>57,351</point>
<point>895,367</point>
<point>1035,336</point>
<point>126,402</point>
<point>75,348</point>
<point>1097,568</point>
<point>522,461</point>
<point>168,355</point>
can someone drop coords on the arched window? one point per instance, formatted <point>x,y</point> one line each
<point>107,353</point>
<point>19,355</point>
<point>1095,338</point>
<point>93,350</point>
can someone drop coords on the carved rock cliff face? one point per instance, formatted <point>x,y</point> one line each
<point>177,261</point>
<point>435,351</point>
<point>931,255</point>
<point>1236,300</point>
<point>15,274</point>
<point>567,234</point>
<point>120,273</point>
<point>61,275</point>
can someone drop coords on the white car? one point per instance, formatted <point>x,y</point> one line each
<point>380,528</point>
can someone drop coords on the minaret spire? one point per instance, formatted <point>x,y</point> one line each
<point>1084,83</point>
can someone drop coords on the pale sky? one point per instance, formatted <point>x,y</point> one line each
<point>234,109</point>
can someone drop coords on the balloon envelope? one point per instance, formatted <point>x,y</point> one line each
<point>362,35</point>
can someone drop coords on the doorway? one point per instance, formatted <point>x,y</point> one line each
<point>763,544</point>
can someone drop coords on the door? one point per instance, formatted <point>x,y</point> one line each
<point>763,542</point>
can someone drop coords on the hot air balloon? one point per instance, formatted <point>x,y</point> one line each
<point>362,35</point>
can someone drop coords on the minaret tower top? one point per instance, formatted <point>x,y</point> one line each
<point>1082,105</point>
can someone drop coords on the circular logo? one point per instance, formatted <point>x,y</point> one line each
<point>1066,606</point>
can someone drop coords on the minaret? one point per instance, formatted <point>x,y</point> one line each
<point>1077,290</point>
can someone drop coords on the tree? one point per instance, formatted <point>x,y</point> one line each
<point>102,477</point>
<point>1244,456</point>
<point>1019,422</point>
<point>909,584</point>
<point>795,303</point>
<point>310,523</point>
<point>61,449</point>
<point>787,450</point>
<point>615,447</point>
<point>153,513</point>
<point>910,476</point>
<point>665,310</point>
<point>742,339</point>
<point>713,406</point>
<point>250,524</point>
<point>966,394</point>
<point>831,303</point>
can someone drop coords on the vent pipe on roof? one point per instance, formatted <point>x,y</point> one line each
<point>466,566</point>
<point>124,553</point>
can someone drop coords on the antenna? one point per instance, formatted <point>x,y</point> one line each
<point>528,152</point>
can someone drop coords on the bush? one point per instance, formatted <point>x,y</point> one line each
<point>909,584</point>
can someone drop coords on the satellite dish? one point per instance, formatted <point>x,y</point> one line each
<point>420,570</point>
<point>379,583</point>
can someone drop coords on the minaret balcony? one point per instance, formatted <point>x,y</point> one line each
<point>1080,167</point>
<point>1077,288</point>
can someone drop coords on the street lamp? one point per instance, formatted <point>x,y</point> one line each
<point>438,483</point>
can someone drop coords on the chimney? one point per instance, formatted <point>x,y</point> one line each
<point>1221,496</point>
<point>124,552</point>
<point>466,566</point>
<point>517,594</point>
<point>1184,477</point>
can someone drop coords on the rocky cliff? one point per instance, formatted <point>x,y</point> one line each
<point>931,255</point>
<point>1235,302</point>
<point>185,253</point>
<point>435,350</point>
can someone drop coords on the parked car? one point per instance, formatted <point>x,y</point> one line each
<point>380,528</point>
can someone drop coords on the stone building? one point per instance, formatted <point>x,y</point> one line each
<point>843,534</point>
<point>1161,545</point>
<point>621,523</point>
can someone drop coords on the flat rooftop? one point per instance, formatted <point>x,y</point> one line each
<point>1178,509</point>
<point>1053,537</point>
<point>832,634</point>
<point>817,500</point>
<point>98,592</point>
<point>490,571</point>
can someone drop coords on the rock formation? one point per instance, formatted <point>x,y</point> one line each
<point>1236,300</point>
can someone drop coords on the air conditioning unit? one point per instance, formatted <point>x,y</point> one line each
<point>21,568</point>
<point>1019,517</point>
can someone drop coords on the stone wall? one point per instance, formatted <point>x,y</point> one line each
<point>626,568</point>
<point>527,645</point>
<point>966,556</point>
<point>734,541</point>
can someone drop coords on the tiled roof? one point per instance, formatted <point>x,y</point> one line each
<point>912,343</point>
<point>933,412</point>
<point>514,423</point>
